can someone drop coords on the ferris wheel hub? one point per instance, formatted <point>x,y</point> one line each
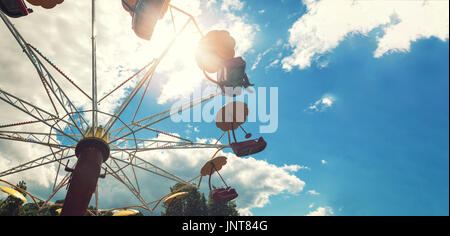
<point>91,151</point>
<point>98,139</point>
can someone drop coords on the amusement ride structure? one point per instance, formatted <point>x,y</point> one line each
<point>84,152</point>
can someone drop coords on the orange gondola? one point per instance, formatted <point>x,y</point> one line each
<point>216,54</point>
<point>232,116</point>
<point>47,4</point>
<point>214,49</point>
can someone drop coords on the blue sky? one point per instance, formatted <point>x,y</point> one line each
<point>363,121</point>
<point>385,140</point>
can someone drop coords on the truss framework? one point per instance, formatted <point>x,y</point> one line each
<point>68,125</point>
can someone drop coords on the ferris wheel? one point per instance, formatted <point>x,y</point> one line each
<point>85,151</point>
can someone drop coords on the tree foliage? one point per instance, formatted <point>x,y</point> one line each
<point>14,207</point>
<point>221,209</point>
<point>11,206</point>
<point>195,204</point>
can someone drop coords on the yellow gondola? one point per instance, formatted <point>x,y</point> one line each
<point>174,197</point>
<point>13,193</point>
<point>129,212</point>
<point>217,162</point>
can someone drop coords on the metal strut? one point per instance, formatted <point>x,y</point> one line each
<point>94,72</point>
<point>45,75</point>
<point>86,173</point>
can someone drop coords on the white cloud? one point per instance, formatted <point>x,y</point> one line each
<point>324,162</point>
<point>279,42</point>
<point>260,57</point>
<point>210,3</point>
<point>322,211</point>
<point>191,129</point>
<point>294,168</point>
<point>313,192</point>
<point>257,61</point>
<point>254,180</point>
<point>13,153</point>
<point>229,5</point>
<point>328,22</point>
<point>327,101</point>
<point>258,181</point>
<point>322,104</point>
<point>273,64</point>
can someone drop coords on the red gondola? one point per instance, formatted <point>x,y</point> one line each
<point>230,118</point>
<point>232,77</point>
<point>249,147</point>
<point>222,194</point>
<point>14,8</point>
<point>146,14</point>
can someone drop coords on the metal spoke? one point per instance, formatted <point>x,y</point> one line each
<point>32,110</point>
<point>59,70</point>
<point>31,138</point>
<point>44,74</point>
<point>24,123</point>
<point>64,182</point>
<point>191,17</point>
<point>149,121</point>
<point>41,161</point>
<point>148,76</point>
<point>126,81</point>
<point>33,135</point>
<point>169,145</point>
<point>149,167</point>
<point>130,187</point>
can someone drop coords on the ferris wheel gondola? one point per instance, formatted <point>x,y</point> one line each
<point>219,195</point>
<point>47,4</point>
<point>145,14</point>
<point>216,54</point>
<point>230,118</point>
<point>14,8</point>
